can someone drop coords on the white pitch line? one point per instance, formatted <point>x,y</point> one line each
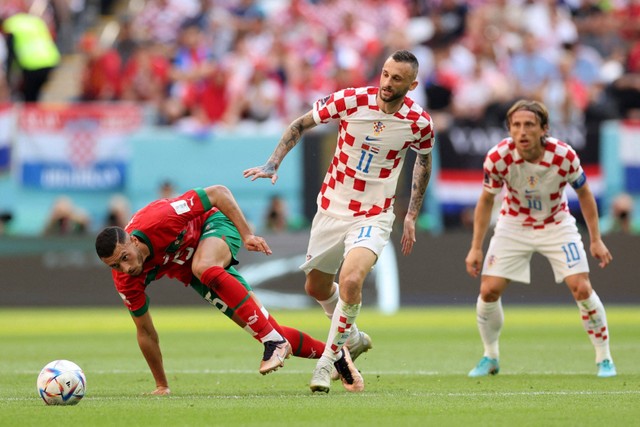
<point>293,372</point>
<point>368,393</point>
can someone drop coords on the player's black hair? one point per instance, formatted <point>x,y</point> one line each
<point>406,56</point>
<point>108,239</point>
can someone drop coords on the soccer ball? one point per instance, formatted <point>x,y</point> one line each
<point>61,382</point>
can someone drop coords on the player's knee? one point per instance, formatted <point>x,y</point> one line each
<point>198,268</point>
<point>580,288</point>
<point>489,295</point>
<point>351,287</point>
<point>318,290</point>
<point>582,291</point>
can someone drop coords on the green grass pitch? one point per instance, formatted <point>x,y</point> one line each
<point>415,375</point>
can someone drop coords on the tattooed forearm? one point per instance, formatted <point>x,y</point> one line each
<point>421,176</point>
<point>290,139</point>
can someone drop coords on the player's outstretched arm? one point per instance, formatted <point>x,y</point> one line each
<point>589,210</point>
<point>149,344</point>
<point>481,219</point>
<point>421,176</point>
<point>289,139</point>
<point>222,198</point>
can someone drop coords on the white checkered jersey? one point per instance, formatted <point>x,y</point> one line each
<point>362,178</point>
<point>535,195</point>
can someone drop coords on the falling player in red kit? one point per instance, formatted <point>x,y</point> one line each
<point>194,238</point>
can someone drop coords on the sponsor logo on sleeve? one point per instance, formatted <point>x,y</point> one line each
<point>180,206</point>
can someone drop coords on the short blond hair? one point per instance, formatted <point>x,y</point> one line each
<point>537,108</point>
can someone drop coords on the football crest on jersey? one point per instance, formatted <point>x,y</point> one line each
<point>532,181</point>
<point>378,127</point>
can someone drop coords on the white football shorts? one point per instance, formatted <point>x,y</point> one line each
<point>510,250</point>
<point>331,239</point>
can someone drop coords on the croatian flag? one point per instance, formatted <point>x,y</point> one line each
<point>630,155</point>
<point>77,147</point>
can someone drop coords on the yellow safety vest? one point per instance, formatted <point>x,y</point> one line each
<point>32,42</point>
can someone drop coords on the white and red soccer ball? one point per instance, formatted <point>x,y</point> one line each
<point>61,382</point>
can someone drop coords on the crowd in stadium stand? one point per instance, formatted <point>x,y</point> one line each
<point>203,63</point>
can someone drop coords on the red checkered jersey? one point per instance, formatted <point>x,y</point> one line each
<point>171,230</point>
<point>362,178</point>
<point>535,195</point>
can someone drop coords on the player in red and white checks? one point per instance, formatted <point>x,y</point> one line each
<point>377,125</point>
<point>535,169</point>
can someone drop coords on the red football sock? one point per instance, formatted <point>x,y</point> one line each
<point>303,344</point>
<point>232,293</point>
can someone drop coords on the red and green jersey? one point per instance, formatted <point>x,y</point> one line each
<point>171,229</point>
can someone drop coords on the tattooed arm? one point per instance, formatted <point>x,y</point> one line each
<point>421,176</point>
<point>289,139</point>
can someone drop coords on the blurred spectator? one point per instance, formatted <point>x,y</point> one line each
<point>626,92</point>
<point>550,24</point>
<point>190,73</point>
<point>441,83</point>
<point>118,212</point>
<point>327,13</point>
<point>145,77</point>
<point>245,15</point>
<point>31,48</point>
<point>101,78</point>
<point>276,218</point>
<point>598,29</point>
<point>261,101</point>
<point>5,92</point>
<point>160,20</point>
<point>5,219</point>
<point>566,97</point>
<point>66,219</point>
<point>449,19</point>
<point>628,18</point>
<point>126,43</point>
<point>621,219</point>
<point>531,70</point>
<point>167,190</point>
<point>475,93</point>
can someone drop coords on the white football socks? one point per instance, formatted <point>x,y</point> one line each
<point>594,320</point>
<point>490,318</point>
<point>344,316</point>
<point>329,306</point>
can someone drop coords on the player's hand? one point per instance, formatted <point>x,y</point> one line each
<point>161,391</point>
<point>601,253</point>
<point>264,171</point>
<point>408,236</point>
<point>474,262</point>
<point>257,244</point>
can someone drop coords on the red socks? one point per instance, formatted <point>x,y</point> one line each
<point>232,293</point>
